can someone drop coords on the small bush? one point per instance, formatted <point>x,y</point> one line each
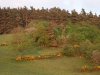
<point>41,37</point>
<point>3,44</point>
<point>84,68</point>
<point>97,46</point>
<point>96,40</point>
<point>21,42</point>
<point>86,49</point>
<point>96,56</point>
<point>68,50</point>
<point>61,40</point>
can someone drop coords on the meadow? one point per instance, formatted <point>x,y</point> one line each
<point>58,66</point>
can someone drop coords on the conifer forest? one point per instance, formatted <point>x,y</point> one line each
<point>22,16</point>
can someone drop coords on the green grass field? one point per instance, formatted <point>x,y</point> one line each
<point>59,66</point>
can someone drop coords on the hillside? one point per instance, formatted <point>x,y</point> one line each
<point>59,66</point>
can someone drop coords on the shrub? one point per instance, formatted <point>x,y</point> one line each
<point>96,56</point>
<point>58,31</point>
<point>37,23</point>
<point>43,23</point>
<point>69,28</point>
<point>40,36</point>
<point>96,46</point>
<point>31,57</point>
<point>75,38</point>
<point>21,42</point>
<point>61,40</point>
<point>68,50</point>
<point>84,68</point>
<point>18,58</point>
<point>86,48</point>
<point>3,44</point>
<point>96,39</point>
<point>88,31</point>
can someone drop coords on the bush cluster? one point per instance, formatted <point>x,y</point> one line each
<point>83,40</point>
<point>89,69</point>
<point>78,40</point>
<point>30,57</point>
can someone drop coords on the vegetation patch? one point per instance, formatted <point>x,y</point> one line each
<point>30,57</point>
<point>89,69</point>
<point>44,41</point>
<point>3,44</point>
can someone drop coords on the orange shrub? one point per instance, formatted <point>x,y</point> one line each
<point>3,44</point>
<point>84,68</point>
<point>30,57</point>
<point>19,58</point>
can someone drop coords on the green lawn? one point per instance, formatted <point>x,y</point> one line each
<point>59,66</point>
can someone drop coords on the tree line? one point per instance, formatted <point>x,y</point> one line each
<point>22,16</point>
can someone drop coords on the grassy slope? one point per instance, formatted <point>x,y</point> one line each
<point>59,66</point>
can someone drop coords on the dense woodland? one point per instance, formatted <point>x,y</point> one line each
<point>14,17</point>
